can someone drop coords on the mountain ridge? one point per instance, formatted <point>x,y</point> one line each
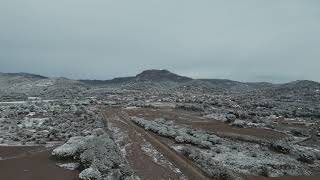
<point>159,75</point>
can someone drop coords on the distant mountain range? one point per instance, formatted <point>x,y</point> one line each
<point>25,75</point>
<point>164,79</point>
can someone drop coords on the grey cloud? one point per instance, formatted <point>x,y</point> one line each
<point>245,40</point>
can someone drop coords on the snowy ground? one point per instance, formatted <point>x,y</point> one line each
<point>158,158</point>
<point>119,138</point>
<point>249,159</point>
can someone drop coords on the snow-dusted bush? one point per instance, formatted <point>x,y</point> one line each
<point>281,147</point>
<point>205,144</point>
<point>306,157</point>
<point>190,107</point>
<point>103,153</point>
<point>71,148</point>
<point>158,127</point>
<point>230,118</point>
<point>200,136</point>
<point>90,174</point>
<point>99,154</point>
<point>214,139</point>
<point>70,166</point>
<point>181,135</point>
<point>264,171</point>
<point>200,139</point>
<point>239,123</point>
<point>180,139</point>
<point>114,175</point>
<point>217,116</point>
<point>98,131</point>
<point>212,168</point>
<point>171,132</point>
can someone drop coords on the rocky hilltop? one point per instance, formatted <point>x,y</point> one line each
<point>161,75</point>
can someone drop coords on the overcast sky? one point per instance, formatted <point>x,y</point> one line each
<point>247,40</point>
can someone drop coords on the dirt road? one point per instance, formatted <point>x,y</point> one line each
<point>185,165</point>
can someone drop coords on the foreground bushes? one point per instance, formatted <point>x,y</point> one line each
<point>98,156</point>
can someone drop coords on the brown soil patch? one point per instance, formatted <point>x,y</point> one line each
<point>31,163</point>
<point>14,152</point>
<point>285,178</point>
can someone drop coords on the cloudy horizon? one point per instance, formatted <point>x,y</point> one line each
<point>249,40</point>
